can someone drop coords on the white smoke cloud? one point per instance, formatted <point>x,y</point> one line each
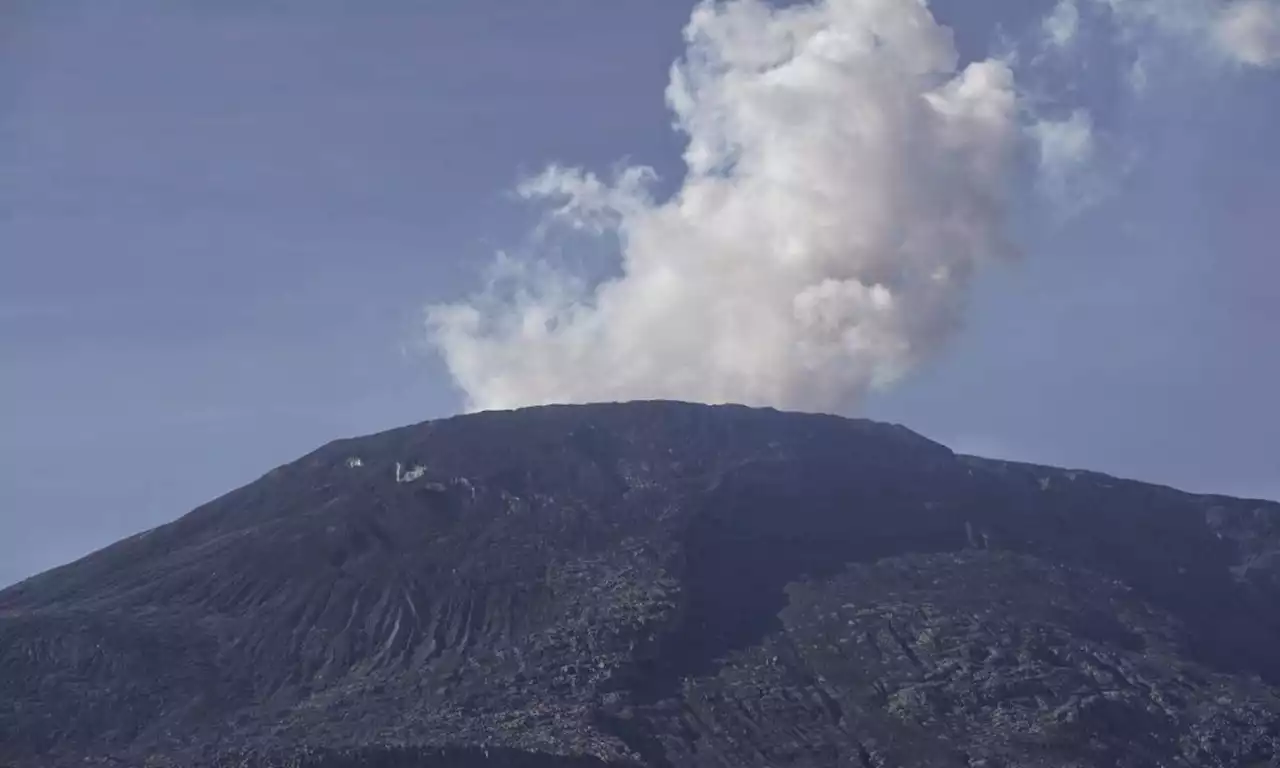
<point>845,178</point>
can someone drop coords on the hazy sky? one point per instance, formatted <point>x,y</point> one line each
<point>221,224</point>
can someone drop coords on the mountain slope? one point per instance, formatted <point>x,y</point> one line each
<point>662,584</point>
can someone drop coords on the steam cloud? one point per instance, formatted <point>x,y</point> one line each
<point>845,178</point>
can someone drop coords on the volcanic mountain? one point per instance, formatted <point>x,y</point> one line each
<point>659,584</point>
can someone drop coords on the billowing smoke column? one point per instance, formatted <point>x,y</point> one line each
<point>845,178</point>
<point>843,182</point>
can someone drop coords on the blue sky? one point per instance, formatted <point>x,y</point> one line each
<point>220,226</point>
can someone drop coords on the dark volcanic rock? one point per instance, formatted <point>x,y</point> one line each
<point>659,584</point>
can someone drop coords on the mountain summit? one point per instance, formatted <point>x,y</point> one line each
<point>659,584</point>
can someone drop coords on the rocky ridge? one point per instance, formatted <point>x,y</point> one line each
<point>659,584</point>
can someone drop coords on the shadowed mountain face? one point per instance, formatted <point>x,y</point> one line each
<point>659,584</point>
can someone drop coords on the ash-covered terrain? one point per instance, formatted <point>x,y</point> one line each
<point>659,584</point>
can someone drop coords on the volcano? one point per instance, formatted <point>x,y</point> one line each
<point>659,584</point>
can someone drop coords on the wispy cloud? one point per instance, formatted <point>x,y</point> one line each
<point>1062,24</point>
<point>1066,150</point>
<point>1248,31</point>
